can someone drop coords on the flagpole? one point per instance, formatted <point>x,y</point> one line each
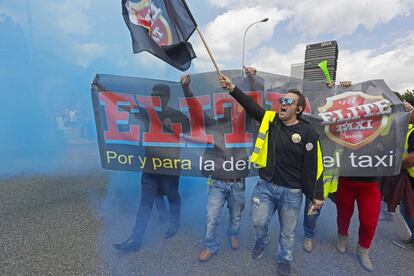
<point>209,52</point>
<point>202,38</point>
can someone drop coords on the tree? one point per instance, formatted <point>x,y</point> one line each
<point>408,95</point>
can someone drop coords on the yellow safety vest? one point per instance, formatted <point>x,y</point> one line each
<point>410,130</point>
<point>319,161</point>
<point>259,155</point>
<point>330,178</point>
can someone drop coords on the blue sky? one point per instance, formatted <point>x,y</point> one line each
<point>375,38</point>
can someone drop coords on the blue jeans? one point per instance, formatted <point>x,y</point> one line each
<point>218,193</point>
<point>408,221</point>
<point>267,198</point>
<point>309,222</point>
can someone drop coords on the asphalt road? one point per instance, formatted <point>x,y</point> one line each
<point>57,224</point>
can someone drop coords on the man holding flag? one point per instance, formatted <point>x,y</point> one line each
<point>288,151</point>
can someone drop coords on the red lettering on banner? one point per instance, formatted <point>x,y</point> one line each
<point>308,106</point>
<point>155,135</point>
<point>196,107</point>
<point>257,96</point>
<point>272,98</point>
<point>114,118</point>
<point>238,137</point>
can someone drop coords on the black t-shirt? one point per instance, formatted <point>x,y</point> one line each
<point>289,156</point>
<point>167,117</point>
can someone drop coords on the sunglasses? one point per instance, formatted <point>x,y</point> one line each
<point>286,101</point>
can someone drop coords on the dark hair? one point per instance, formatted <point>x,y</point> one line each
<point>301,99</point>
<point>161,89</point>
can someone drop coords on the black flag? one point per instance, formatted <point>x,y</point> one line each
<point>162,28</point>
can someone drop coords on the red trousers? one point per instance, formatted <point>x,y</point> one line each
<point>368,198</point>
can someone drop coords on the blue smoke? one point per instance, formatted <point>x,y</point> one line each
<point>38,93</point>
<point>118,213</point>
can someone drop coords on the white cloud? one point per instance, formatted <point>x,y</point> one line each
<point>395,66</point>
<point>237,4</point>
<point>272,61</point>
<point>221,3</point>
<point>343,17</point>
<point>224,34</point>
<point>392,62</point>
<point>70,16</point>
<point>339,17</point>
<point>87,52</point>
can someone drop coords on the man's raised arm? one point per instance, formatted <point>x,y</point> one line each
<point>251,107</point>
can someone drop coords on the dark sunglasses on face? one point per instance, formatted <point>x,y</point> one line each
<point>286,101</point>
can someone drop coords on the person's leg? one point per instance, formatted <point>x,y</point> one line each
<point>215,202</point>
<point>345,198</point>
<point>235,203</point>
<point>149,189</point>
<point>170,185</point>
<point>288,209</point>
<point>309,225</point>
<point>160,203</point>
<point>263,208</point>
<point>385,213</point>
<point>408,221</point>
<point>368,198</point>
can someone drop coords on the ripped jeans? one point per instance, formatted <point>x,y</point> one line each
<point>267,198</point>
<point>219,193</point>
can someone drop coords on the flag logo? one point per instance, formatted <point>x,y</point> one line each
<point>161,28</point>
<point>146,14</point>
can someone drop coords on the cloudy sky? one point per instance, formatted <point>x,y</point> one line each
<point>375,37</point>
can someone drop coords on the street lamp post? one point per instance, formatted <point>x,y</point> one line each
<point>244,42</point>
